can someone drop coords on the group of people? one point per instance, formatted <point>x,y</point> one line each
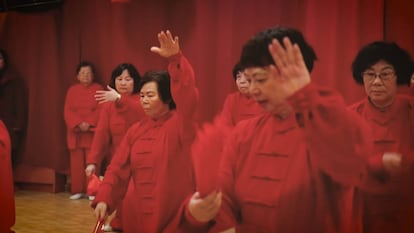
<point>283,155</point>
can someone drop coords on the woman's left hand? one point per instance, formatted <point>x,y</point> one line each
<point>169,45</point>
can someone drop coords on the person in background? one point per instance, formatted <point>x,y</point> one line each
<point>13,105</point>
<point>239,105</point>
<point>8,212</point>
<point>121,108</point>
<point>412,79</point>
<point>280,171</point>
<point>388,189</point>
<point>81,113</point>
<point>155,152</point>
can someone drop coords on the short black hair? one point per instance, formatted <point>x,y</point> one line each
<point>389,52</point>
<point>236,70</point>
<point>85,64</point>
<point>162,78</point>
<point>133,72</point>
<point>255,52</point>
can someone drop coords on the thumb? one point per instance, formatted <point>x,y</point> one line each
<point>196,195</point>
<point>155,49</point>
<point>109,88</point>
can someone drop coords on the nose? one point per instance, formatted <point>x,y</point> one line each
<point>253,90</point>
<point>377,80</point>
<point>144,99</point>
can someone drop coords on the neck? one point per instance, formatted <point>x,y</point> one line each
<point>161,114</point>
<point>381,106</point>
<point>282,111</point>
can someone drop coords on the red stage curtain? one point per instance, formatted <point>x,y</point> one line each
<point>45,48</point>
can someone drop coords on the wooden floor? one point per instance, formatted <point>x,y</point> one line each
<point>41,212</point>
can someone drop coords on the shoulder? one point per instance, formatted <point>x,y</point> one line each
<point>96,86</point>
<point>74,87</point>
<point>358,106</point>
<point>405,102</point>
<point>246,128</point>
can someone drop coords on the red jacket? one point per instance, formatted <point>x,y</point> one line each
<point>285,175</point>
<point>7,213</point>
<point>156,155</point>
<point>388,198</point>
<point>81,106</point>
<point>115,118</point>
<point>238,107</point>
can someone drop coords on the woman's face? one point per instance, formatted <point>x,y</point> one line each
<point>380,82</point>
<point>151,101</point>
<point>85,75</point>
<point>124,83</point>
<point>242,83</point>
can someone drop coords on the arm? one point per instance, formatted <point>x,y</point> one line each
<point>337,138</point>
<point>227,111</point>
<point>101,140</point>
<point>183,87</point>
<point>95,108</point>
<point>113,188</point>
<point>72,119</point>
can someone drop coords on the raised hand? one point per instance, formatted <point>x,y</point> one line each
<point>169,45</point>
<point>290,64</point>
<point>103,96</point>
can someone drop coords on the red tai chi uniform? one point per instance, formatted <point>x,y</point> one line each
<point>156,155</point>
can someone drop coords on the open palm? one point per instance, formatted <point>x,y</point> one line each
<point>290,64</point>
<point>169,45</point>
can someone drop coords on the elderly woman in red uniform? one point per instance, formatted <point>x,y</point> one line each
<point>155,151</point>
<point>8,214</point>
<point>81,115</point>
<point>280,171</point>
<point>388,191</point>
<point>239,105</point>
<point>121,109</point>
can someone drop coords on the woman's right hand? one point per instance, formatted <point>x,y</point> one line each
<point>204,209</point>
<point>100,210</point>
<point>90,169</point>
<point>392,162</point>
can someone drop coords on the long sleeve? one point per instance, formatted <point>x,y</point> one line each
<point>7,219</point>
<point>114,186</point>
<point>338,139</point>
<point>130,108</point>
<point>101,140</point>
<point>72,119</point>
<point>184,93</point>
<point>228,110</point>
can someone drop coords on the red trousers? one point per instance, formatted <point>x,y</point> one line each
<point>77,169</point>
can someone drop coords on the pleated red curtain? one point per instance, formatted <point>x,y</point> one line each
<point>45,48</point>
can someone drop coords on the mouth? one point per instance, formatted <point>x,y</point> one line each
<point>262,102</point>
<point>377,92</point>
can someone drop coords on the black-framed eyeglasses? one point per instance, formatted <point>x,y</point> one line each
<point>370,76</point>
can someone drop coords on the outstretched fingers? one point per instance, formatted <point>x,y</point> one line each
<point>298,57</point>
